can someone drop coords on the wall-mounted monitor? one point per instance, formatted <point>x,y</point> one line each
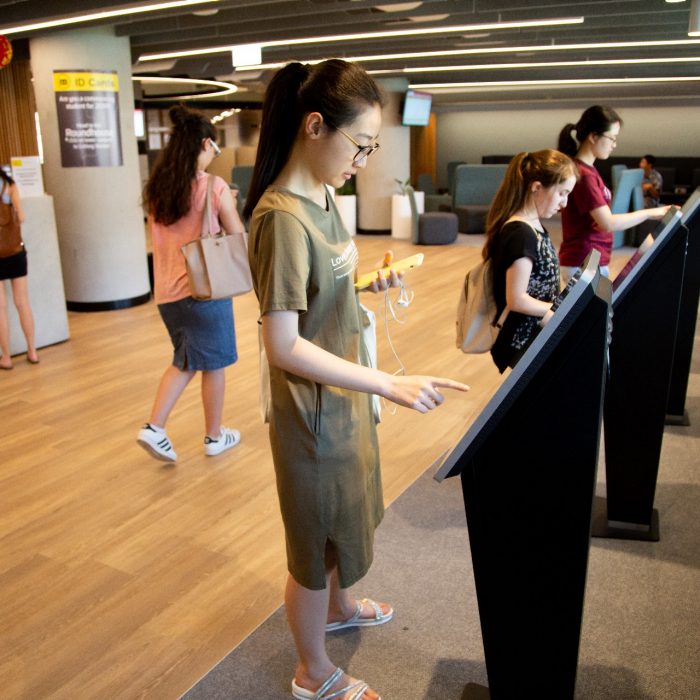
<point>416,108</point>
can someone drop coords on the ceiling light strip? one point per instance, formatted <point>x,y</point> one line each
<point>498,50</point>
<point>107,14</point>
<point>549,64</point>
<point>567,81</point>
<point>226,88</point>
<point>372,35</point>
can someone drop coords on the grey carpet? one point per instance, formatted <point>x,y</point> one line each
<point>640,636</point>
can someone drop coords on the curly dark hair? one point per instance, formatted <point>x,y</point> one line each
<point>168,192</point>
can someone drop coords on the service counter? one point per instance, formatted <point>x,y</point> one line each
<point>46,292</point>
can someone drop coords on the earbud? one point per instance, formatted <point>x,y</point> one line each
<point>403,302</point>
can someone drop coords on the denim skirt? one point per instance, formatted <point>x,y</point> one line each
<point>202,333</point>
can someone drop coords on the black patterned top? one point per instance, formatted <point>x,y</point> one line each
<point>520,240</point>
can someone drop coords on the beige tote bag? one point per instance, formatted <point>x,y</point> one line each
<point>217,265</point>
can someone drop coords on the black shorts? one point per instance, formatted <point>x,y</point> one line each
<point>14,266</point>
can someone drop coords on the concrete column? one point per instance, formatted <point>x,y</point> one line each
<point>98,209</point>
<point>377,182</point>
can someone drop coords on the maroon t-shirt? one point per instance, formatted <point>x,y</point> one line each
<point>580,233</point>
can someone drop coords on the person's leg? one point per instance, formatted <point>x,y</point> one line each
<point>307,611</point>
<point>6,359</point>
<point>213,387</point>
<point>152,436</point>
<point>217,439</point>
<point>172,384</point>
<point>342,605</point>
<point>20,294</point>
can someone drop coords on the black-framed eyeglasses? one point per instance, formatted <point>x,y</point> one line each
<point>362,151</point>
<point>612,139</point>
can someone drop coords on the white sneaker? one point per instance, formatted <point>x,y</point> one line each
<point>229,438</point>
<point>155,441</point>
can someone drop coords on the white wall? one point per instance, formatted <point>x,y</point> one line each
<point>468,135</point>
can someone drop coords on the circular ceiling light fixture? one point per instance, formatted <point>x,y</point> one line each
<point>224,88</point>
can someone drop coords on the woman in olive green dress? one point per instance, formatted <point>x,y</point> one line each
<point>319,126</point>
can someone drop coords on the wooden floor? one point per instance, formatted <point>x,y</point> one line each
<point>124,578</point>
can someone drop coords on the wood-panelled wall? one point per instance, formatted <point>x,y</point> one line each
<point>423,150</point>
<point>17,108</point>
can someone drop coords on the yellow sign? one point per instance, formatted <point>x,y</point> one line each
<point>83,81</point>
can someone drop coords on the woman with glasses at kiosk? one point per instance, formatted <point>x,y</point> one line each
<point>587,222</point>
<point>318,128</point>
<point>202,332</point>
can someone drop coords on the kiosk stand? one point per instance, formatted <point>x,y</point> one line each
<point>687,315</point>
<point>646,296</point>
<point>528,470</point>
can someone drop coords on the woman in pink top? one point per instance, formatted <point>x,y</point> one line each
<point>587,221</point>
<point>202,332</point>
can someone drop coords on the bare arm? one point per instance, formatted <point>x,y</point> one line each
<point>650,190</point>
<point>607,221</point>
<point>228,214</point>
<point>17,202</point>
<point>517,298</point>
<point>286,349</point>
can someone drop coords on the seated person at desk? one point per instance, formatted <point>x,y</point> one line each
<point>653,182</point>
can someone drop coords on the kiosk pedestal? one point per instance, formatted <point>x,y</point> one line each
<point>528,471</point>
<point>687,316</point>
<point>645,313</point>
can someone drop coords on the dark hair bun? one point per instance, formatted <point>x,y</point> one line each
<point>178,115</point>
<point>182,117</point>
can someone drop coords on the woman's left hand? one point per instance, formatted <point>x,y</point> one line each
<point>382,283</point>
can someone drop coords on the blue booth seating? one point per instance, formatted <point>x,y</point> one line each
<point>627,196</point>
<point>431,228</point>
<point>474,189</point>
<point>241,176</point>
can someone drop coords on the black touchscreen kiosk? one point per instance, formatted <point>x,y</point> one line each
<point>646,295</point>
<point>528,472</point>
<point>687,315</point>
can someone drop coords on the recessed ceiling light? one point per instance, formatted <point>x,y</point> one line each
<point>400,7</point>
<point>429,18</point>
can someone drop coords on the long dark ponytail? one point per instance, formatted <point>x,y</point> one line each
<point>168,192</point>
<point>595,120</point>
<point>336,89</point>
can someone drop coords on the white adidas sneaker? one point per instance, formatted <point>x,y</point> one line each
<point>155,441</point>
<point>227,439</point>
